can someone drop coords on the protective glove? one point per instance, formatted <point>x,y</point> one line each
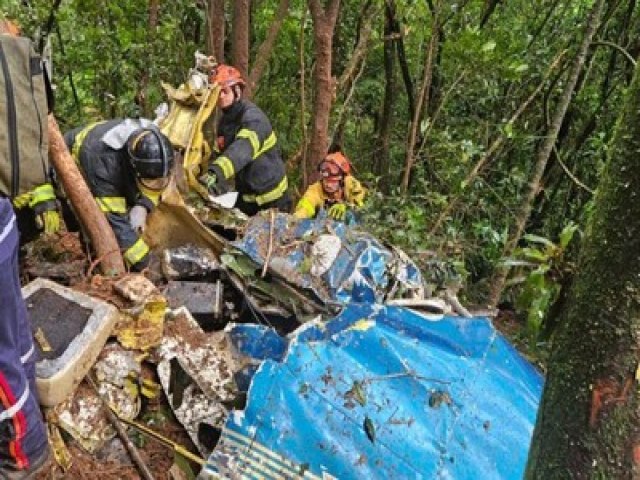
<point>48,221</point>
<point>338,211</point>
<point>210,181</point>
<point>138,218</point>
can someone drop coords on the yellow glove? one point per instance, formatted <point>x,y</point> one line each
<point>49,221</point>
<point>338,211</point>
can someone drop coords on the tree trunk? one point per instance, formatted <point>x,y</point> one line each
<point>215,32</point>
<point>384,135</point>
<point>92,219</point>
<point>48,26</point>
<point>143,83</point>
<point>404,67</point>
<point>545,151</point>
<point>265,49</point>
<point>324,22</point>
<point>72,85</point>
<point>303,102</point>
<point>423,100</point>
<point>240,36</point>
<point>589,424</point>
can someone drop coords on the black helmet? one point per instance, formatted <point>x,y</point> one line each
<point>150,153</point>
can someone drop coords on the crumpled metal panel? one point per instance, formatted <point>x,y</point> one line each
<point>379,392</point>
<point>363,269</point>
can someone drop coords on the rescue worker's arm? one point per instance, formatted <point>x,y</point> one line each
<point>254,138</point>
<point>135,250</point>
<point>311,201</point>
<point>42,200</point>
<point>146,199</point>
<point>354,191</point>
<point>354,194</point>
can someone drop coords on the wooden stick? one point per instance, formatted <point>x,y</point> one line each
<point>165,441</point>
<point>84,205</point>
<point>270,249</point>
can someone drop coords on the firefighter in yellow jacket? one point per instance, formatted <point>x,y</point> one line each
<point>338,192</point>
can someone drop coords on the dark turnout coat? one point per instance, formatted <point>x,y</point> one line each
<point>247,150</point>
<point>112,181</point>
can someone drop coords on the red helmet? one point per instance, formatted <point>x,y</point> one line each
<point>227,76</point>
<point>335,164</point>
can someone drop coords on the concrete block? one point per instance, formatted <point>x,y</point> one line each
<point>75,326</point>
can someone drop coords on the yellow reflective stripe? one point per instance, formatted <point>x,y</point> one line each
<point>42,193</point>
<point>267,145</point>
<point>112,204</point>
<point>79,140</point>
<point>307,206</point>
<point>226,166</point>
<point>269,196</point>
<point>253,139</point>
<point>136,252</point>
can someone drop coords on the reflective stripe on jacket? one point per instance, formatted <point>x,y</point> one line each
<point>112,181</point>
<point>250,153</point>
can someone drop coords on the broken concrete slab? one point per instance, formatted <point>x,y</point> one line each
<point>77,337</point>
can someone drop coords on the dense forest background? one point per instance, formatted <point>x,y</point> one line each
<point>480,126</point>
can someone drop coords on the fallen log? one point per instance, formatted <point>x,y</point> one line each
<point>95,224</point>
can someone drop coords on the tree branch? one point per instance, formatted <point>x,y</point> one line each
<point>423,99</point>
<point>546,149</point>
<point>266,48</point>
<point>617,47</point>
<point>360,51</point>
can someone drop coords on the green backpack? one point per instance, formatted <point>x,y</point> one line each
<point>23,118</point>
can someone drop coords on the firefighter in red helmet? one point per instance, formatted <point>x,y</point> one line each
<point>337,192</point>
<point>246,150</point>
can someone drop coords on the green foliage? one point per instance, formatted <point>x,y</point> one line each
<point>539,269</point>
<point>481,76</point>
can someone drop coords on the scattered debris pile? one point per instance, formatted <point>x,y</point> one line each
<point>266,347</point>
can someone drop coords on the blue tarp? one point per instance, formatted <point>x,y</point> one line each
<point>381,392</point>
<point>364,269</point>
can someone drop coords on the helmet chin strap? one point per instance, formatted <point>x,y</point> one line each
<point>237,93</point>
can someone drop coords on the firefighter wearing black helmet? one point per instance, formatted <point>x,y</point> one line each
<point>126,164</point>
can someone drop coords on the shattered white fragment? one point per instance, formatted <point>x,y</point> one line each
<point>323,253</point>
<point>238,417</point>
<point>135,287</point>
